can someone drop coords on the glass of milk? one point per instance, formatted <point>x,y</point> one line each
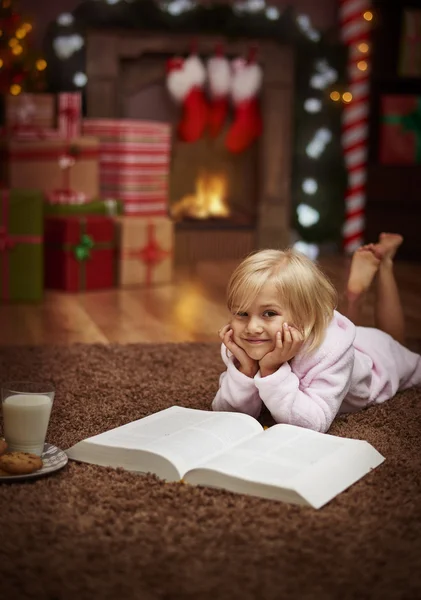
<point>26,411</point>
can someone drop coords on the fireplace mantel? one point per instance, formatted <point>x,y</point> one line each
<point>105,52</point>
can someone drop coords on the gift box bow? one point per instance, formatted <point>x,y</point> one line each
<point>71,113</point>
<point>82,251</point>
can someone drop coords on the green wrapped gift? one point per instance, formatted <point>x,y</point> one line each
<point>108,207</point>
<point>21,245</point>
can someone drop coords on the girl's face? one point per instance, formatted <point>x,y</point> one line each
<point>255,330</point>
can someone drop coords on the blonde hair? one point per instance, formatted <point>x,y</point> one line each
<point>303,289</point>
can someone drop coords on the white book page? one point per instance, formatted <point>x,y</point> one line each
<point>186,437</point>
<point>278,456</point>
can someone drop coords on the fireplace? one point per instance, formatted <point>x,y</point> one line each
<point>208,183</point>
<point>209,200</point>
<point>223,205</point>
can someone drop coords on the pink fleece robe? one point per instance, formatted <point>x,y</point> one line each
<point>355,367</point>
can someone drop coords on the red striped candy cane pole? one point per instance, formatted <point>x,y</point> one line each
<point>355,17</point>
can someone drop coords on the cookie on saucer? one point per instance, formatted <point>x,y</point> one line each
<point>20,463</point>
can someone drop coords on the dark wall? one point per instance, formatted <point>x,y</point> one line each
<point>393,191</point>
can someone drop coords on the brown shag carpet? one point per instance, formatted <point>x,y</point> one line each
<point>92,533</point>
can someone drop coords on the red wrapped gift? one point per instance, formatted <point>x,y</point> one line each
<point>400,140</point>
<point>79,253</point>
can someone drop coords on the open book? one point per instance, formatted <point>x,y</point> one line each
<point>232,451</point>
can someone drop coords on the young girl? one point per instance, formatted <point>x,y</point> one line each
<point>288,348</point>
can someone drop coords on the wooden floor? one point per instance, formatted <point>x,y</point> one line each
<point>190,309</point>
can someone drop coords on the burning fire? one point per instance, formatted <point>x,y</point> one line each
<point>209,201</point>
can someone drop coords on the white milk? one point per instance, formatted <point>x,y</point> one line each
<point>25,421</point>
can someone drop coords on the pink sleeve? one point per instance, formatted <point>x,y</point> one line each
<point>237,392</point>
<point>313,404</point>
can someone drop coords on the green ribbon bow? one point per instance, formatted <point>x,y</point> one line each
<point>410,122</point>
<point>82,250</point>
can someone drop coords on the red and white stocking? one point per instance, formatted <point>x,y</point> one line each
<point>245,86</point>
<point>185,81</point>
<point>219,77</point>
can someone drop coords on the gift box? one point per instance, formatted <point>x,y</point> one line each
<point>21,249</point>
<point>30,111</point>
<point>146,250</point>
<point>44,116</point>
<point>400,137</point>
<point>79,253</point>
<point>66,172</point>
<point>410,44</point>
<point>69,114</point>
<point>134,163</point>
<point>108,207</point>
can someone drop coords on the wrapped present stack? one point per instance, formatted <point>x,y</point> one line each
<point>400,136</point>
<point>134,168</point>
<point>97,191</point>
<point>58,161</point>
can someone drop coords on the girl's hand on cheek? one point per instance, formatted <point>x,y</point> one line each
<point>223,331</point>
<point>288,344</point>
<point>245,364</point>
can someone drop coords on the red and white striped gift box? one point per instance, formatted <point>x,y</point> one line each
<point>134,163</point>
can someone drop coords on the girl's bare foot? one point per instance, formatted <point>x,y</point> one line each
<point>387,245</point>
<point>364,267</point>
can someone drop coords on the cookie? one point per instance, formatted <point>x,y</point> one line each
<point>3,446</point>
<point>4,473</point>
<point>20,463</point>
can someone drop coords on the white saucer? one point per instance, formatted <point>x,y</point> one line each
<point>53,458</point>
